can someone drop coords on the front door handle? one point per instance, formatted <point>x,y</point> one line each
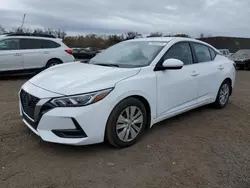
<point>17,54</point>
<point>46,52</point>
<point>194,73</point>
<point>221,67</point>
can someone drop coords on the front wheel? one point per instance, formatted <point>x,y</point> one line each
<point>126,123</point>
<point>223,95</point>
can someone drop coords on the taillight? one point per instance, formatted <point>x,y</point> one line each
<point>69,51</point>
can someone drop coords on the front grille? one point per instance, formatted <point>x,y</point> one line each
<point>28,102</point>
<point>31,123</point>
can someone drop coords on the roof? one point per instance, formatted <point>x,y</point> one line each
<point>161,39</point>
<point>176,39</point>
<point>29,35</point>
<point>167,39</point>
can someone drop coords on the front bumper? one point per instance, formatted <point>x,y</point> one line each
<point>71,125</point>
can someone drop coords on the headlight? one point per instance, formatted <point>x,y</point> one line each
<point>81,100</point>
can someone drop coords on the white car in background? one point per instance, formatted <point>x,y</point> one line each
<point>225,52</point>
<point>21,53</point>
<point>125,90</point>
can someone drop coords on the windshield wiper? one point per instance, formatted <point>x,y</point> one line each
<point>107,64</point>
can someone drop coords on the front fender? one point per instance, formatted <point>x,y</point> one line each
<point>143,85</point>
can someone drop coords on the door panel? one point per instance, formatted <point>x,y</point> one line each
<point>177,89</point>
<point>11,60</point>
<point>10,56</point>
<point>209,71</point>
<point>34,54</point>
<point>208,81</point>
<point>34,58</point>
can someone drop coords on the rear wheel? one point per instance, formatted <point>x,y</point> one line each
<point>52,63</point>
<point>126,123</point>
<point>223,95</point>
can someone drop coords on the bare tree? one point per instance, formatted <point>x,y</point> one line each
<point>202,35</point>
<point>27,30</point>
<point>131,35</point>
<point>48,31</point>
<point>181,35</point>
<point>18,30</point>
<point>156,34</point>
<point>2,30</point>
<point>60,33</point>
<point>38,31</point>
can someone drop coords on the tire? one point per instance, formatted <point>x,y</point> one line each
<point>120,129</point>
<point>52,63</point>
<point>223,95</point>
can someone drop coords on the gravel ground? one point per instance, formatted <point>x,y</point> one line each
<point>202,148</point>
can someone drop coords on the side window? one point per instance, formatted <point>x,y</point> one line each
<point>180,51</point>
<point>30,44</point>
<point>9,44</point>
<point>49,44</point>
<point>202,53</point>
<point>212,52</point>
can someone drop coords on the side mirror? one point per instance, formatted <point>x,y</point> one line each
<point>169,64</point>
<point>172,64</point>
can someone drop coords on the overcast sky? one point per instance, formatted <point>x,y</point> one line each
<point>213,17</point>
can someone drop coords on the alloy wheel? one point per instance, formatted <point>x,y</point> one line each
<point>129,124</point>
<point>224,94</point>
<point>52,64</point>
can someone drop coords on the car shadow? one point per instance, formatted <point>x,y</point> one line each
<point>16,77</point>
<point>69,150</point>
<point>105,147</point>
<point>171,121</point>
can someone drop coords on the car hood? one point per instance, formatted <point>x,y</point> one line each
<point>76,78</point>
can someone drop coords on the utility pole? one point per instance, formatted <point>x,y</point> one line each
<point>23,21</point>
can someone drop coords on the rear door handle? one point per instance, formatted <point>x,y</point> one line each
<point>17,54</point>
<point>194,73</point>
<point>46,52</point>
<point>221,67</point>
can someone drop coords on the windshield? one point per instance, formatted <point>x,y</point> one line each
<point>129,54</point>
<point>242,53</point>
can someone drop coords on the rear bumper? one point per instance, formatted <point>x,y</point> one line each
<point>68,58</point>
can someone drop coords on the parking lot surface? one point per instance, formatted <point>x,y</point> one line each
<point>202,148</point>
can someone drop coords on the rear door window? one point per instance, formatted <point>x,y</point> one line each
<point>201,52</point>
<point>180,51</point>
<point>49,44</point>
<point>31,44</point>
<point>212,53</point>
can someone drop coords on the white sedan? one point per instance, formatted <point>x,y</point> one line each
<point>125,90</point>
